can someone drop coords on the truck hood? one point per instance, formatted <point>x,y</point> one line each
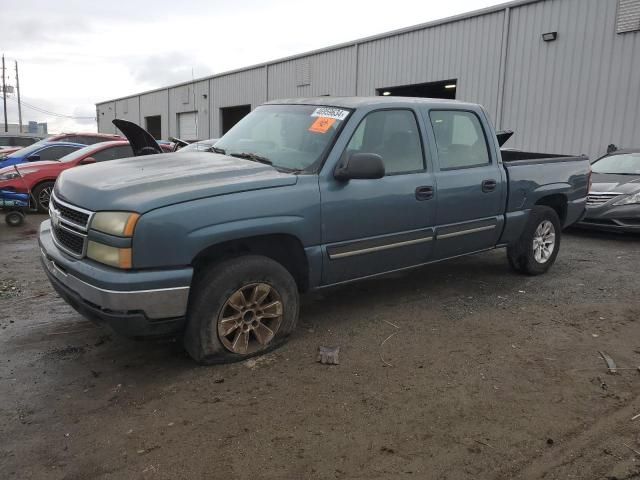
<point>608,182</point>
<point>145,183</point>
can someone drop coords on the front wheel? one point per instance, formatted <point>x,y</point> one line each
<point>239,308</point>
<point>537,248</point>
<point>42,195</point>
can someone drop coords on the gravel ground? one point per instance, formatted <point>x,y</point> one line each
<point>489,375</point>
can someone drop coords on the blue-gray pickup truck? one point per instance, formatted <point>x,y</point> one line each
<point>300,195</point>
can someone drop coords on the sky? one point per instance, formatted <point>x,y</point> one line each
<point>73,54</point>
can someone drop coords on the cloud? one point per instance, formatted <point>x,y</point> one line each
<point>159,70</point>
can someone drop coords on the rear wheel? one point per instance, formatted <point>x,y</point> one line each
<point>239,308</point>
<point>537,248</point>
<point>42,195</point>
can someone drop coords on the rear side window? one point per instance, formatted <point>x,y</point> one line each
<point>460,140</point>
<point>392,134</point>
<point>113,153</point>
<point>56,153</point>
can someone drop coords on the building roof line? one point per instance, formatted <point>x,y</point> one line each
<point>339,46</point>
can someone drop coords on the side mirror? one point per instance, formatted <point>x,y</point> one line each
<point>33,158</point>
<point>87,161</point>
<point>360,166</point>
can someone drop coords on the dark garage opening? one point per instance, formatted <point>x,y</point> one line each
<point>153,125</point>
<point>232,115</point>
<point>444,89</point>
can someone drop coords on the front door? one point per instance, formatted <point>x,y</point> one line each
<point>470,185</point>
<point>375,226</point>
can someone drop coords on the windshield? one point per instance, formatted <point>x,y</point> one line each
<point>23,152</point>
<point>622,164</point>
<point>291,137</point>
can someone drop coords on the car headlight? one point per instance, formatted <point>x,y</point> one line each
<point>628,200</point>
<point>9,176</point>
<point>121,224</point>
<point>112,256</point>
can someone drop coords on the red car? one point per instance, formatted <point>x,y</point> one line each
<point>84,138</point>
<point>39,177</point>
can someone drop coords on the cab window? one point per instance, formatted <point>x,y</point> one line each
<point>460,140</point>
<point>392,134</point>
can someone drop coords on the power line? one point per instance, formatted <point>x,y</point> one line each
<point>47,112</point>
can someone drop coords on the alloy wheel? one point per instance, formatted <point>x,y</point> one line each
<point>250,318</point>
<point>544,241</point>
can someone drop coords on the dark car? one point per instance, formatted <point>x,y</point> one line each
<point>614,199</point>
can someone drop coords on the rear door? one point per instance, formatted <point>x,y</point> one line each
<point>470,184</point>
<point>375,226</point>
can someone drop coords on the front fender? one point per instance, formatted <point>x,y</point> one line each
<point>174,235</point>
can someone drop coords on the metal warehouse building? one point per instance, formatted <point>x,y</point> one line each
<point>564,74</point>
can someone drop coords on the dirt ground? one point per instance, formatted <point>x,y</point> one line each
<point>493,376</point>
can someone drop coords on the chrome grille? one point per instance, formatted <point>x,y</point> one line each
<point>595,199</point>
<point>71,241</point>
<point>76,216</point>
<point>69,226</point>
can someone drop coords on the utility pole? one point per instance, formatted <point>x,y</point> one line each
<point>4,96</point>
<point>19,104</point>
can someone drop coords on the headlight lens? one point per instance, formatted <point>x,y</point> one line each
<point>628,200</point>
<point>9,176</point>
<point>112,256</point>
<point>115,223</point>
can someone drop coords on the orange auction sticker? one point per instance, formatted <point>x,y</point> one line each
<point>322,125</point>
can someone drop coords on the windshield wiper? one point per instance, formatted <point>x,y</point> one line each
<point>217,150</point>
<point>252,156</point>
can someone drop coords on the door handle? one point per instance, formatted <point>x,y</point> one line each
<point>489,185</point>
<point>424,193</point>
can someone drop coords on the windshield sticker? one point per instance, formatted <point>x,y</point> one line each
<point>329,112</point>
<point>322,125</point>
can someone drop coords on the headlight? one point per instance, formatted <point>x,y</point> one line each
<point>9,176</point>
<point>115,223</point>
<point>628,200</point>
<point>112,256</point>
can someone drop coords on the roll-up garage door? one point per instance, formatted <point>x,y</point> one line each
<point>187,126</point>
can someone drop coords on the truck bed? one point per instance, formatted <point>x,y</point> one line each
<point>532,175</point>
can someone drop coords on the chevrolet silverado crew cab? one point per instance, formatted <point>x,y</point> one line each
<point>300,195</point>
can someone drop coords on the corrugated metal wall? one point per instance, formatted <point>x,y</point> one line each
<point>329,73</point>
<point>248,87</point>
<point>156,103</point>
<point>190,98</point>
<point>576,94</point>
<point>579,93</point>
<point>468,50</point>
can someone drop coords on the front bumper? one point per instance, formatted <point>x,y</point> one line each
<point>135,304</point>
<point>621,218</point>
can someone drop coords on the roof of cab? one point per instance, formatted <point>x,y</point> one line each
<point>359,102</point>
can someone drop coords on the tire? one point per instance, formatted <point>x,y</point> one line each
<point>214,303</point>
<point>532,254</point>
<point>14,219</point>
<point>41,193</point>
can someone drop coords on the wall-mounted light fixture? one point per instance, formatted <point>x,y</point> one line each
<point>549,36</point>
<point>204,95</point>
<point>450,86</point>
<point>386,93</point>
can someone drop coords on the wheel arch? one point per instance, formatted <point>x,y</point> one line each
<point>558,202</point>
<point>283,248</point>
